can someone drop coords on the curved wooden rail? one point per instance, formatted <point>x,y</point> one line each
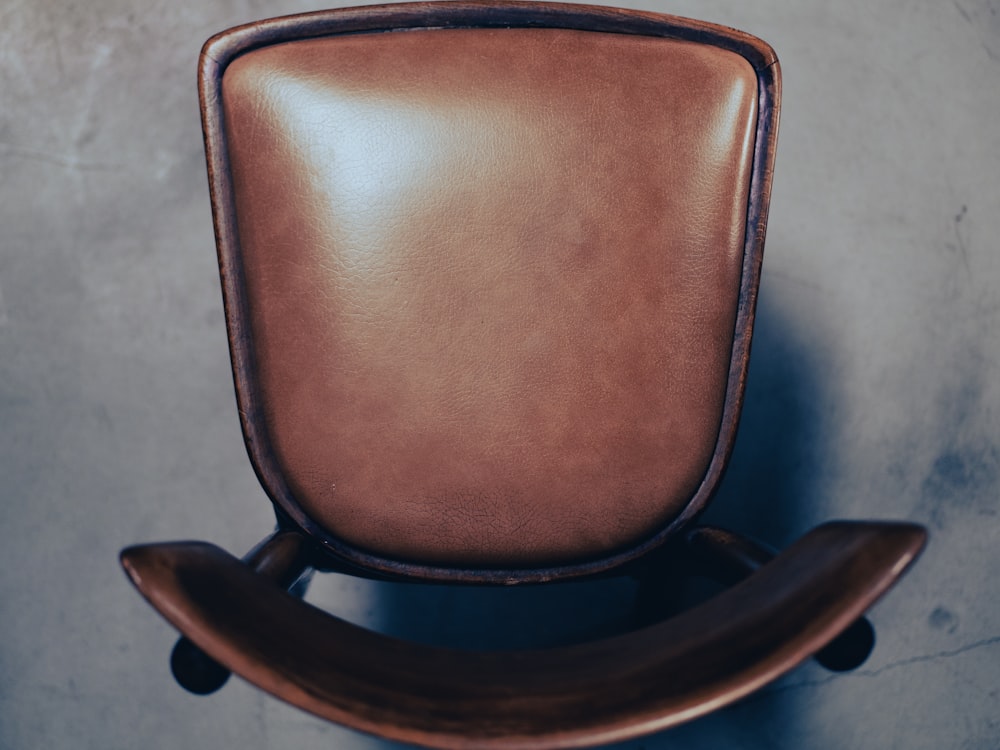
<point>572,696</point>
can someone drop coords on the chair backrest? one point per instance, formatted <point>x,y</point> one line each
<point>489,278</point>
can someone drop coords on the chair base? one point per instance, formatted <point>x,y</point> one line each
<point>574,696</point>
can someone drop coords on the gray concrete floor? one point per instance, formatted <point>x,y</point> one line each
<point>874,391</point>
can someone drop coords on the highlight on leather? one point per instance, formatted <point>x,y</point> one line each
<point>492,279</point>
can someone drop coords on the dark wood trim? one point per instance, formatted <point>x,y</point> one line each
<point>219,51</point>
<point>227,45</point>
<point>572,696</point>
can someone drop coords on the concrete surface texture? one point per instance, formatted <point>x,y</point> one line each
<point>874,388</point>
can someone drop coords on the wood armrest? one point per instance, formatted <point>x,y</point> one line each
<point>588,694</point>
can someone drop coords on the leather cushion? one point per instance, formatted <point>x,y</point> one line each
<point>492,277</point>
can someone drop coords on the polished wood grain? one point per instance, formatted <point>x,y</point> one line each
<point>574,696</point>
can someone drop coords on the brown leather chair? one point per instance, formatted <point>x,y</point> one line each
<point>490,282</point>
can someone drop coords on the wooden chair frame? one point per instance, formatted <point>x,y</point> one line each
<point>237,616</point>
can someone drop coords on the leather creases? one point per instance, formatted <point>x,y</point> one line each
<point>492,277</point>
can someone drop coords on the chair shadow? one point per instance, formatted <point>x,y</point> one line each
<point>762,495</point>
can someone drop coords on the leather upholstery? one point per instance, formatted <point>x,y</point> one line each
<point>492,277</point>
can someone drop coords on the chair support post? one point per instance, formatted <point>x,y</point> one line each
<point>725,556</point>
<point>281,558</point>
